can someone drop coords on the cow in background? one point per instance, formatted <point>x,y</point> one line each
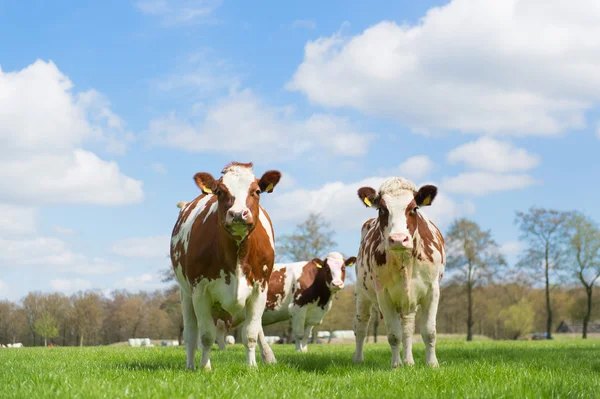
<point>302,292</point>
<point>400,263</point>
<point>222,251</point>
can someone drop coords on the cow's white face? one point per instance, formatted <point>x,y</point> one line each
<point>398,202</point>
<point>334,266</point>
<point>238,192</point>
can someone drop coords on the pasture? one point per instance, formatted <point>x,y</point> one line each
<point>566,368</point>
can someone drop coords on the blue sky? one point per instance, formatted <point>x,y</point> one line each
<point>107,109</point>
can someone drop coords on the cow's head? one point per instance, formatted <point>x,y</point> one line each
<point>334,267</point>
<point>238,195</point>
<point>398,202</point>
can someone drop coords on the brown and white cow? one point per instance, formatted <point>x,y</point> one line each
<point>399,266</point>
<point>302,292</point>
<point>222,250</point>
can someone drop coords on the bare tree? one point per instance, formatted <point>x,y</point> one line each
<point>585,250</point>
<point>311,239</point>
<point>475,256</point>
<point>545,231</point>
<point>88,314</point>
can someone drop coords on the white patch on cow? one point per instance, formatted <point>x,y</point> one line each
<point>186,226</point>
<point>238,179</point>
<point>211,210</point>
<point>266,225</point>
<point>265,268</point>
<point>335,261</point>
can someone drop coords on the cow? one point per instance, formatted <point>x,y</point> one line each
<point>400,263</point>
<point>302,292</point>
<point>222,252</point>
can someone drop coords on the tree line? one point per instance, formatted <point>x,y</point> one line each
<point>553,280</point>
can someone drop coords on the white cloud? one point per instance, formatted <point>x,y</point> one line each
<point>43,126</point>
<point>512,248</point>
<point>493,155</point>
<point>15,219</point>
<point>159,168</point>
<point>50,253</point>
<point>339,204</point>
<point>69,286</point>
<point>482,183</point>
<point>143,247</point>
<point>145,282</point>
<point>241,123</point>
<point>304,23</point>
<point>178,12</point>
<point>476,66</point>
<point>416,168</point>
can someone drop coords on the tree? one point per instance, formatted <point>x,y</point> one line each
<point>46,327</point>
<point>518,318</point>
<point>311,239</point>
<point>475,255</point>
<point>544,230</point>
<point>87,315</point>
<point>584,247</point>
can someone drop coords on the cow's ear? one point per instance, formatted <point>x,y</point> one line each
<point>269,180</point>
<point>350,261</point>
<point>205,182</point>
<point>425,195</point>
<point>318,262</point>
<point>368,195</point>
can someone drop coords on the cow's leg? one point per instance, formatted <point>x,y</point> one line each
<point>298,315</point>
<point>266,353</point>
<point>361,324</point>
<point>208,330</point>
<point>408,328</point>
<point>307,331</point>
<point>393,326</point>
<point>190,329</point>
<point>428,325</point>
<point>221,331</point>
<point>255,305</point>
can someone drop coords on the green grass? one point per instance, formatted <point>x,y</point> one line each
<point>484,369</point>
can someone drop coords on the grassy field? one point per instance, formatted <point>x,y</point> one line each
<point>482,369</point>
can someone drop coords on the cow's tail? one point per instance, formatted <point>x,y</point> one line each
<point>181,204</point>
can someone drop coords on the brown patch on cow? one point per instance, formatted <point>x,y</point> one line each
<point>384,215</point>
<point>183,215</point>
<point>426,237</point>
<point>313,286</point>
<point>212,250</point>
<point>255,253</point>
<point>276,287</point>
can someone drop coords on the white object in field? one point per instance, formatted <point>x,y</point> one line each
<point>343,334</point>
<point>272,339</point>
<point>230,340</point>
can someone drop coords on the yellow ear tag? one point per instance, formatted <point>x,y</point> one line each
<point>270,187</point>
<point>350,264</point>
<point>427,200</point>
<point>366,200</point>
<point>206,190</point>
<point>319,266</point>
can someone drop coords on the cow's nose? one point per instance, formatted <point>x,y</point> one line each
<point>238,216</point>
<point>400,240</point>
<point>338,284</point>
